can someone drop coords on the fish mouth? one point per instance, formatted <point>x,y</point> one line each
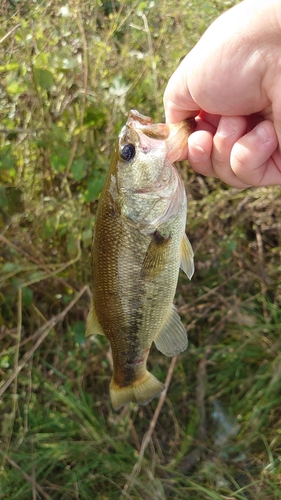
<point>141,130</point>
<point>158,131</point>
<point>136,119</point>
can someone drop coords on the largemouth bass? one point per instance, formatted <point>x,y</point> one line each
<point>139,244</point>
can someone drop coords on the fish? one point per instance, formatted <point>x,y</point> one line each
<point>139,244</point>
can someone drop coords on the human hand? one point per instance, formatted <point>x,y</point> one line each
<point>231,82</point>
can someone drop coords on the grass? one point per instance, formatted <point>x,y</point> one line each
<point>69,74</point>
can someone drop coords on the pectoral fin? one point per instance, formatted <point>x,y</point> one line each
<point>172,339</point>
<point>93,327</point>
<point>156,256</point>
<point>187,262</point>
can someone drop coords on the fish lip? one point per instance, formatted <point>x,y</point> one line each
<point>158,131</point>
<point>137,120</point>
<point>141,131</point>
<point>146,136</point>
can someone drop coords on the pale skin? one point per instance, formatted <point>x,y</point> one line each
<point>231,83</point>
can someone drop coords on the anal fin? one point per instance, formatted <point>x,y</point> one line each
<point>172,339</point>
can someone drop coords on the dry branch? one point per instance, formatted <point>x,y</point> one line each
<point>147,437</point>
<point>30,479</point>
<point>43,332</point>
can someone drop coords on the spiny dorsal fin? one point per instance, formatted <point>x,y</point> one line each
<point>187,262</point>
<point>173,337</point>
<point>93,327</point>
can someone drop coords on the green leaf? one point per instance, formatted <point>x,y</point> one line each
<point>87,236</point>
<point>119,87</point>
<point>79,169</point>
<point>71,244</point>
<point>42,60</point>
<point>69,63</point>
<point>9,67</point>
<point>36,276</point>
<point>79,332</point>
<point>66,298</point>
<point>94,117</point>
<point>15,88</point>
<point>43,78</point>
<point>7,161</point>
<point>94,187</point>
<point>27,296</point>
<point>49,228</point>
<point>59,160</point>
<point>9,267</point>
<point>5,362</point>
<point>4,202</point>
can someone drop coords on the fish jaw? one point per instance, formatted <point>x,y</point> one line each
<point>157,146</point>
<point>175,135</point>
<point>148,190</point>
<point>149,187</point>
<point>136,119</point>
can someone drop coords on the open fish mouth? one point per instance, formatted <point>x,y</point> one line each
<point>156,135</point>
<point>159,131</point>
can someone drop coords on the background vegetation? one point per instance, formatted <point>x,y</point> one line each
<point>70,71</point>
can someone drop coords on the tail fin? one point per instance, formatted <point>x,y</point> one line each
<point>142,391</point>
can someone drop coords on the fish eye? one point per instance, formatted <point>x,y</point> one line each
<point>128,152</point>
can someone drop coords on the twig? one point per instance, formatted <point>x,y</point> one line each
<point>147,437</point>
<point>38,332</point>
<point>9,33</point>
<point>212,291</point>
<point>59,269</point>
<point>83,107</point>
<point>40,264</point>
<point>190,460</point>
<point>43,332</point>
<point>26,476</point>
<point>34,494</point>
<point>16,362</point>
<point>153,63</point>
<point>262,267</point>
<point>26,131</point>
<point>201,394</point>
<point>18,336</point>
<point>134,434</point>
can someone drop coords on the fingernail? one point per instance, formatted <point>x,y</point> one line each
<point>196,153</point>
<point>226,128</point>
<point>262,133</point>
